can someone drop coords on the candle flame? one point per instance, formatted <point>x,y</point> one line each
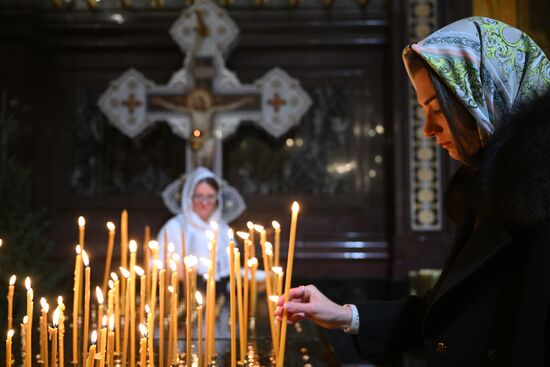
<point>78,249</point>
<point>268,251</point>
<point>205,276</point>
<point>276,225</point>
<point>190,261</point>
<point>85,258</point>
<point>143,330</point>
<point>277,270</point>
<point>274,298</point>
<point>28,283</point>
<point>243,235</point>
<point>172,265</point>
<point>99,295</point>
<point>111,284</point>
<point>252,262</point>
<point>209,235</point>
<point>268,245</point>
<point>93,339</point>
<point>158,264</point>
<point>104,321</point>
<point>147,309</point>
<point>228,251</point>
<point>112,322</point>
<point>114,276</point>
<point>12,279</point>
<point>295,207</point>
<point>110,226</point>
<point>198,296</point>
<point>176,257</point>
<point>125,272</point>
<point>214,225</point>
<point>230,233</point>
<point>25,319</point>
<point>1,242</point>
<point>55,320</point>
<point>258,228</point>
<point>139,270</point>
<point>170,289</point>
<point>153,245</point>
<point>250,225</point>
<point>60,301</point>
<point>81,222</point>
<point>44,304</point>
<point>132,245</point>
<point>10,333</point>
<point>171,247</point>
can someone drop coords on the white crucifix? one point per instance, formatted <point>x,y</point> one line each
<point>204,102</point>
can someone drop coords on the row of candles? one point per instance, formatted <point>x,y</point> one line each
<point>117,320</point>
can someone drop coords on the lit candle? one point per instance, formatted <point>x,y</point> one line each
<point>269,254</point>
<point>10,301</point>
<point>198,296</point>
<point>53,335</point>
<point>142,288</point>
<point>44,331</point>
<point>116,301</point>
<point>190,263</point>
<point>247,247</point>
<point>109,257</point>
<point>81,230</point>
<point>143,346</point>
<point>242,334</point>
<point>103,342</point>
<point>126,276</point>
<point>277,241</point>
<point>133,259</point>
<point>172,324</point>
<point>28,342</point>
<point>250,227</point>
<point>150,330</point>
<point>288,280</point>
<point>76,301</point>
<point>157,264</point>
<point>91,352</point>
<point>278,271</point>
<point>162,285</point>
<point>253,265</point>
<point>61,331</point>
<point>86,262</point>
<point>23,326</point>
<point>100,306</point>
<point>8,347</point>
<point>232,316</point>
<point>111,341</point>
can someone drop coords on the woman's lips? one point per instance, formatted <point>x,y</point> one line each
<point>445,144</point>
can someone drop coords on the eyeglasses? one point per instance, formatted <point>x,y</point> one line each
<point>204,198</point>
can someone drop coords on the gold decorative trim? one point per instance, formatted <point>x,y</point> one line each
<point>425,157</point>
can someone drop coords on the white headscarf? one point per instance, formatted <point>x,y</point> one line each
<point>195,228</point>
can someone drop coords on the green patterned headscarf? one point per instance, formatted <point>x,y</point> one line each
<point>489,65</point>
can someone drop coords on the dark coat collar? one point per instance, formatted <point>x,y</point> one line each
<point>507,186</point>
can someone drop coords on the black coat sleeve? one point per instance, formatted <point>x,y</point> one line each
<point>390,327</point>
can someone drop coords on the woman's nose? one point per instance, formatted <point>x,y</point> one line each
<point>430,127</point>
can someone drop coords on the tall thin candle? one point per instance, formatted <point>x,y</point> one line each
<point>143,346</point>
<point>126,276</point>
<point>162,285</point>
<point>109,256</point>
<point>44,331</point>
<point>242,334</point>
<point>10,301</point>
<point>76,301</point>
<point>103,342</point>
<point>8,347</point>
<point>91,352</point>
<point>277,241</point>
<point>116,302</point>
<point>81,230</point>
<point>53,335</point>
<point>28,341</point>
<point>86,263</point>
<point>232,313</point>
<point>100,306</point>
<point>61,331</point>
<point>198,296</point>
<point>288,281</point>
<point>133,259</point>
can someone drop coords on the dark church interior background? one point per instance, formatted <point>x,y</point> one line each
<point>349,162</point>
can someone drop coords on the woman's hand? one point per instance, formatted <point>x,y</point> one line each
<point>308,302</point>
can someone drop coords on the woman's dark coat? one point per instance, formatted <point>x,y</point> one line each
<point>491,305</point>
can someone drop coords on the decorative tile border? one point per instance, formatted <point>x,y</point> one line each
<point>425,157</point>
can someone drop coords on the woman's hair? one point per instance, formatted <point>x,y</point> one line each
<point>210,181</point>
<point>461,122</point>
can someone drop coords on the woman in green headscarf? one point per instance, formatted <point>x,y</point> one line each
<point>485,89</point>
